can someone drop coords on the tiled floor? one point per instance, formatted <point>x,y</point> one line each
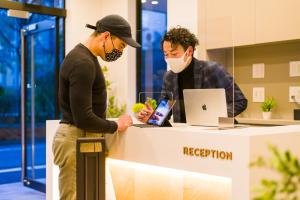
<point>16,191</point>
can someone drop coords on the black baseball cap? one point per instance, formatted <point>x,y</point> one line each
<point>117,26</point>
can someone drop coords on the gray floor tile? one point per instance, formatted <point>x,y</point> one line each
<point>16,191</point>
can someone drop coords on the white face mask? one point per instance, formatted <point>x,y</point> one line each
<point>177,65</point>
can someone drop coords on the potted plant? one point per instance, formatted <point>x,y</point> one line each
<point>267,106</point>
<point>286,184</point>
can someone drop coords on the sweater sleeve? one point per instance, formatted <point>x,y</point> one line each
<point>236,101</point>
<point>80,94</point>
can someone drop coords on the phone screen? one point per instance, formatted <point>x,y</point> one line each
<point>161,112</point>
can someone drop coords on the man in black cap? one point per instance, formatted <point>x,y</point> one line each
<point>83,97</point>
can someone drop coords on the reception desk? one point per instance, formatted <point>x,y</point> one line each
<point>184,162</point>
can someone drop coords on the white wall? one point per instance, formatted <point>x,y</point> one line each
<point>122,72</point>
<point>185,14</point>
<point>79,13</point>
<point>202,54</point>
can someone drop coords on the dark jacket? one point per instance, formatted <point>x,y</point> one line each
<point>207,74</point>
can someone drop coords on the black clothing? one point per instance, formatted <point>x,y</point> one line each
<point>82,92</point>
<point>206,74</point>
<point>116,25</point>
<point>185,81</point>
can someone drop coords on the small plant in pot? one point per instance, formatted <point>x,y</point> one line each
<point>267,106</point>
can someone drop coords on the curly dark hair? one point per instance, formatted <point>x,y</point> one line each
<point>181,36</point>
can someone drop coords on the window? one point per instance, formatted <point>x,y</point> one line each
<point>152,66</point>
<point>43,53</point>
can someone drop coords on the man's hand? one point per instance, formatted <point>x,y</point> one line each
<point>124,122</point>
<point>146,112</point>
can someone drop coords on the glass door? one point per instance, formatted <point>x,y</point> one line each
<point>152,21</point>
<point>38,96</point>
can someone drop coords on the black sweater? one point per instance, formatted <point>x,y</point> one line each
<point>185,81</point>
<point>82,92</point>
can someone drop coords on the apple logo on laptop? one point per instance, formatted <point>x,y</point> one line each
<point>204,107</point>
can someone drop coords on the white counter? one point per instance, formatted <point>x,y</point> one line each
<point>183,148</point>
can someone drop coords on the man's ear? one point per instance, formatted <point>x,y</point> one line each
<point>190,51</point>
<point>105,34</point>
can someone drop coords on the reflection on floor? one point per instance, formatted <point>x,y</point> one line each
<point>10,161</point>
<point>16,191</point>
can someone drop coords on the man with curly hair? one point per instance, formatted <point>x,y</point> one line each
<point>187,72</point>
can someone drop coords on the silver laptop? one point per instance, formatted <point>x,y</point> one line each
<point>203,107</point>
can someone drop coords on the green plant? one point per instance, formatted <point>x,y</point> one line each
<point>139,106</point>
<point>113,109</point>
<point>268,105</point>
<point>151,102</point>
<point>288,185</point>
<point>107,82</point>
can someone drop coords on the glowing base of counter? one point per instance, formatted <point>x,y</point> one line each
<point>146,182</point>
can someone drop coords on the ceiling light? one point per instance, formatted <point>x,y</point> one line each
<point>154,2</point>
<point>144,1</point>
<point>18,14</point>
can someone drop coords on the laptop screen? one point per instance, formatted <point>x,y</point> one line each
<point>161,112</point>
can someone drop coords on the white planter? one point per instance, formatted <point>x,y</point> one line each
<point>267,115</point>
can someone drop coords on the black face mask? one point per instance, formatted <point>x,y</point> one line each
<point>113,55</point>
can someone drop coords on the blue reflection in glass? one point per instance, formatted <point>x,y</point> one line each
<point>10,66</point>
<point>154,25</point>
